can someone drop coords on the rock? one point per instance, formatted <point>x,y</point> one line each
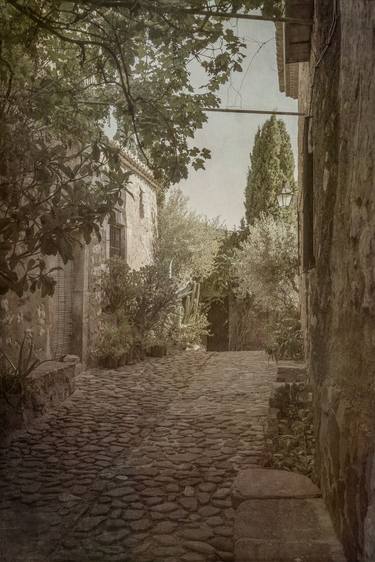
<point>31,488</point>
<point>207,487</point>
<point>152,501</point>
<point>152,492</point>
<point>199,546</point>
<point>194,557</point>
<point>222,543</point>
<point>140,525</point>
<point>122,477</point>
<point>189,503</point>
<point>165,527</point>
<point>225,556</point>
<point>115,524</point>
<point>197,534</point>
<point>189,491</point>
<point>221,493</point>
<point>119,492</point>
<point>89,523</point>
<point>101,509</point>
<point>203,498</point>
<point>165,507</point>
<point>214,521</point>
<point>109,538</point>
<point>208,510</point>
<point>132,514</point>
<point>166,540</point>
<point>66,497</point>
<point>224,531</point>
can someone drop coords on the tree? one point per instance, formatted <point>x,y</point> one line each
<point>266,264</point>
<point>187,243</point>
<point>271,167</point>
<point>64,66</point>
<point>266,269</point>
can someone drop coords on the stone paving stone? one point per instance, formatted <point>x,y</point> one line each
<point>137,465</point>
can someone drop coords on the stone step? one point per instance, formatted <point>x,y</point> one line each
<point>281,518</point>
<point>267,483</point>
<point>285,530</point>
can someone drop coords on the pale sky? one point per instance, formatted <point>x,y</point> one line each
<point>219,189</point>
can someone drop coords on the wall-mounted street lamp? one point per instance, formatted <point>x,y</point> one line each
<point>285,197</point>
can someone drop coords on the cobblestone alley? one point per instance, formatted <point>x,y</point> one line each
<point>137,465</point>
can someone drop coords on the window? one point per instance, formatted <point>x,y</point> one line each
<point>116,235</point>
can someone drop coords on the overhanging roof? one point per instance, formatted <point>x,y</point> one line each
<point>288,73</point>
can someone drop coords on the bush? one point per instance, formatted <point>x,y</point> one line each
<point>285,338</point>
<point>138,305</point>
<point>113,343</point>
<point>266,269</point>
<point>192,330</point>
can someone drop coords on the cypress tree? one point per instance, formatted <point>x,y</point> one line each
<point>271,166</point>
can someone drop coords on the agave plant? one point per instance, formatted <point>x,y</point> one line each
<point>14,373</point>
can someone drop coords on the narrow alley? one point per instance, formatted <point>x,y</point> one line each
<point>137,465</point>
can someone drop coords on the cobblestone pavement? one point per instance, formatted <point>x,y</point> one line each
<point>137,465</point>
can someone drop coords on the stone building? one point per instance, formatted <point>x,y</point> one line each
<point>65,323</point>
<point>330,67</point>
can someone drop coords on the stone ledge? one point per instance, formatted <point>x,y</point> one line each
<point>45,388</point>
<point>266,483</point>
<point>50,384</point>
<point>285,530</point>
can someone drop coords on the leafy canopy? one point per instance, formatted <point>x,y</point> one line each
<point>266,264</point>
<point>187,243</point>
<point>64,66</point>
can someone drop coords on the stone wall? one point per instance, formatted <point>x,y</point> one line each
<point>50,384</point>
<point>141,215</point>
<point>27,314</point>
<point>340,291</point>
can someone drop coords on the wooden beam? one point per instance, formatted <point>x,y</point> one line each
<point>240,16</point>
<point>255,111</point>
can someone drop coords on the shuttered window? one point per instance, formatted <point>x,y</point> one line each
<point>115,241</point>
<point>61,333</point>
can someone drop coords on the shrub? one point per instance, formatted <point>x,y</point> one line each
<point>193,329</point>
<point>113,343</point>
<point>266,269</point>
<point>139,305</point>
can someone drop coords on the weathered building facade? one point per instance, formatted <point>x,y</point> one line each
<point>336,91</point>
<point>65,323</point>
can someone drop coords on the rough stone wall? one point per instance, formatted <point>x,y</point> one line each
<point>27,314</point>
<point>340,291</point>
<point>141,214</point>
